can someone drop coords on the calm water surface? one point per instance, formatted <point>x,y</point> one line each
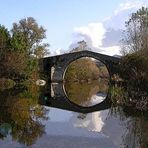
<point>25,123</point>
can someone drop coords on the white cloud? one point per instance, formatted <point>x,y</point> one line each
<point>133,4</point>
<point>122,13</point>
<point>94,34</point>
<point>104,36</point>
<point>108,31</point>
<point>94,31</point>
<point>113,50</point>
<point>57,52</point>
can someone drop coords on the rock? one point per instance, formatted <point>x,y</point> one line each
<point>40,82</point>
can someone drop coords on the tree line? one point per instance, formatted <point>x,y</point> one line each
<point>134,66</point>
<point>133,69</point>
<point>20,49</point>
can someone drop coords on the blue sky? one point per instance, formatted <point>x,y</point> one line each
<point>68,21</point>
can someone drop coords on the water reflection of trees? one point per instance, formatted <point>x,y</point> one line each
<point>81,93</point>
<point>137,134</point>
<point>136,125</point>
<point>20,110</point>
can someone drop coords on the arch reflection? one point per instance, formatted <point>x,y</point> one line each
<point>59,99</point>
<point>86,82</point>
<point>87,94</point>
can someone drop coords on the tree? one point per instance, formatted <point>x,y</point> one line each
<point>134,71</point>
<point>41,50</point>
<point>82,69</point>
<point>21,48</point>
<point>4,48</point>
<point>4,42</point>
<point>4,37</point>
<point>136,33</point>
<point>82,45</point>
<point>27,36</point>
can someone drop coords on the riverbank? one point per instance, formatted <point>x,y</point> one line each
<point>122,96</point>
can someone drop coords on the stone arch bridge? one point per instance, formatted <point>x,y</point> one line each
<point>56,66</point>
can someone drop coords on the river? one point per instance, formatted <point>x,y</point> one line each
<point>27,122</point>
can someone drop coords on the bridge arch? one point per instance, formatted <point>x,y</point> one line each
<point>79,57</point>
<point>61,62</point>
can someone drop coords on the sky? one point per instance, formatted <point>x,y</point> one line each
<point>99,22</point>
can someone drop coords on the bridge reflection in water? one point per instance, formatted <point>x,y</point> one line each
<point>54,95</point>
